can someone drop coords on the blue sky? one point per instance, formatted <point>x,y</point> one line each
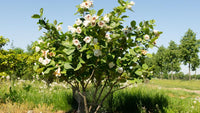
<point>173,17</point>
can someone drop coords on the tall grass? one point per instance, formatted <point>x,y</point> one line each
<point>141,99</point>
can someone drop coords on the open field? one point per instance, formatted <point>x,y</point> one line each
<point>157,96</point>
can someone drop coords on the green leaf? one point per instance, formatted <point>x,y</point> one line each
<point>48,70</point>
<point>138,72</point>
<point>35,67</point>
<point>68,51</point>
<point>92,12</point>
<point>83,48</point>
<point>55,22</point>
<point>36,16</point>
<point>41,11</point>
<point>125,16</point>
<point>68,66</point>
<point>133,24</point>
<point>135,59</point>
<point>132,52</point>
<point>81,60</point>
<point>149,55</point>
<point>100,12</point>
<point>145,66</point>
<point>52,63</point>
<point>78,67</point>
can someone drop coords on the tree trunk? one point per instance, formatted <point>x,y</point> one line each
<point>172,72</point>
<point>81,100</point>
<point>189,72</point>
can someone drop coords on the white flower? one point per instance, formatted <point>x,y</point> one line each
<point>78,22</point>
<point>93,24</point>
<point>72,29</point>
<point>42,73</point>
<point>119,58</point>
<point>46,61</point>
<point>88,17</point>
<point>79,46</point>
<point>94,18</point>
<point>40,59</point>
<point>59,28</point>
<point>97,53</point>
<point>144,52</point>
<point>138,28</point>
<point>44,53</point>
<point>131,67</point>
<point>86,23</point>
<point>35,63</point>
<point>57,72</point>
<point>101,24</point>
<point>106,19</point>
<point>76,42</point>
<point>155,32</point>
<point>111,65</point>
<point>87,4</point>
<point>78,30</point>
<point>120,70</point>
<point>40,41</point>
<point>8,77</point>
<point>132,3</point>
<point>95,41</point>
<point>37,49</point>
<point>129,6</point>
<point>146,37</point>
<point>87,39</point>
<point>108,37</point>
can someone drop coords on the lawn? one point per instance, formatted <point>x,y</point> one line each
<point>157,96</point>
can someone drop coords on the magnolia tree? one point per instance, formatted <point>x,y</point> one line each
<point>97,52</point>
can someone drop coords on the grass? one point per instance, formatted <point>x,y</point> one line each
<point>154,97</point>
<point>191,85</point>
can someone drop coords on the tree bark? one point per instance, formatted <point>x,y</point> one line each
<point>172,72</point>
<point>189,72</point>
<point>82,102</point>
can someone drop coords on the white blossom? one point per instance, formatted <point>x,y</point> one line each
<point>106,19</point>
<point>59,28</point>
<point>78,30</point>
<point>101,24</point>
<point>97,53</point>
<point>37,49</point>
<point>146,37</point>
<point>44,53</point>
<point>40,41</point>
<point>111,65</point>
<point>129,6</point>
<point>86,5</point>
<point>46,61</point>
<point>88,17</point>
<point>94,18</point>
<point>78,22</point>
<point>86,23</point>
<point>95,41</point>
<point>155,32</point>
<point>87,39</point>
<point>72,29</point>
<point>8,77</point>
<point>120,70</point>
<point>132,3</point>
<point>57,72</point>
<point>76,42</point>
<point>108,37</point>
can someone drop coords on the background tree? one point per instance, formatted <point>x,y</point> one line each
<point>189,50</point>
<point>3,41</point>
<point>160,60</point>
<point>172,58</point>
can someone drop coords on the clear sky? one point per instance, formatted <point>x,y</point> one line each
<point>173,17</point>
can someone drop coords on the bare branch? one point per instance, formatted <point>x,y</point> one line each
<point>90,78</point>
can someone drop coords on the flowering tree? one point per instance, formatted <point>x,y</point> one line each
<point>97,51</point>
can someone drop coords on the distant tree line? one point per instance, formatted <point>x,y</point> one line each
<point>166,62</point>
